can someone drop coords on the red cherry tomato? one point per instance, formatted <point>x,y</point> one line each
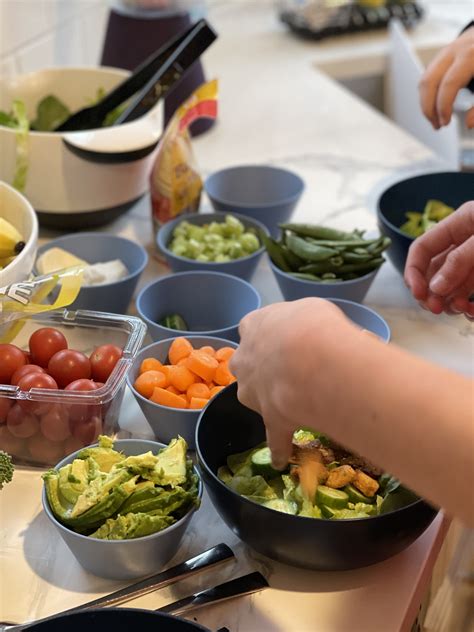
<point>27,368</point>
<point>82,412</point>
<point>44,343</point>
<point>9,443</point>
<point>22,424</point>
<point>36,380</point>
<point>44,451</point>
<point>87,431</point>
<point>54,424</point>
<point>103,361</point>
<point>11,359</point>
<point>67,365</point>
<point>72,444</point>
<point>5,405</point>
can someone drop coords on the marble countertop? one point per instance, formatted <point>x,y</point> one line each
<point>274,108</point>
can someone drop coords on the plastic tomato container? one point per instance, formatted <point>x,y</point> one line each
<point>40,426</point>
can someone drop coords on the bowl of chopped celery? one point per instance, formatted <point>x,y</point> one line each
<point>219,242</point>
<point>68,187</point>
<point>412,206</point>
<point>122,507</point>
<point>358,515</point>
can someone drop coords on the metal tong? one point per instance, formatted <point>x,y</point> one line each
<point>150,82</point>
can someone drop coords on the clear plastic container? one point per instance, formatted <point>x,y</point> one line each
<point>40,426</point>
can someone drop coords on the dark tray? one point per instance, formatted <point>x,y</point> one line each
<point>316,22</point>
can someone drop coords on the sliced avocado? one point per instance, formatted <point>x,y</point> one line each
<point>105,458</point>
<point>156,500</point>
<point>170,467</point>
<point>98,489</point>
<point>59,506</point>
<point>106,508</point>
<point>132,526</point>
<point>73,479</point>
<point>224,474</point>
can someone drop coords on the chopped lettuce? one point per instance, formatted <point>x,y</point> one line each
<point>22,142</point>
<point>50,113</point>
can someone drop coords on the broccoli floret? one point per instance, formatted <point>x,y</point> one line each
<point>6,468</point>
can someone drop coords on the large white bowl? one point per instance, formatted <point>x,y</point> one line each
<point>78,179</point>
<point>16,209</point>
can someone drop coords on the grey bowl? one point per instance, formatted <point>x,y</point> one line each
<point>293,288</point>
<point>167,422</point>
<point>100,247</point>
<point>263,192</point>
<point>123,559</point>
<point>243,267</point>
<point>211,303</point>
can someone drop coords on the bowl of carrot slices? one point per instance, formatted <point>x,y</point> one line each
<point>174,379</point>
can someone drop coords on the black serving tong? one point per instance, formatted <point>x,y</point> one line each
<point>150,82</point>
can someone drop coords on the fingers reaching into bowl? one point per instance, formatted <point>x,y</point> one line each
<point>440,265</point>
<point>451,70</point>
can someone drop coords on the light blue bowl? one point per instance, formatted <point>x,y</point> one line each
<point>243,267</point>
<point>365,317</point>
<point>211,303</point>
<point>123,559</point>
<point>267,194</point>
<point>294,289</point>
<point>167,422</point>
<point>100,247</point>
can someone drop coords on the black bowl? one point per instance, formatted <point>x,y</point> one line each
<point>226,427</point>
<point>118,620</point>
<point>452,188</point>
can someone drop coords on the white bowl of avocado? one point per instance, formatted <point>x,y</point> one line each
<point>122,507</point>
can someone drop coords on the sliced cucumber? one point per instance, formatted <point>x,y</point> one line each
<point>261,462</point>
<point>327,512</point>
<point>335,498</point>
<point>174,321</point>
<point>355,496</point>
<point>279,504</point>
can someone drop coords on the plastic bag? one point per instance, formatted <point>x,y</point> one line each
<point>27,298</point>
<point>175,183</point>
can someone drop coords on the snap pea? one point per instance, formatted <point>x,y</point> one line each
<point>320,232</point>
<point>308,251</point>
<point>275,252</point>
<point>328,275</point>
<point>347,243</point>
<point>305,276</point>
<point>337,261</point>
<point>291,259</point>
<point>324,266</point>
<point>355,257</point>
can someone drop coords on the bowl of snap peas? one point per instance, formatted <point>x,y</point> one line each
<point>311,260</point>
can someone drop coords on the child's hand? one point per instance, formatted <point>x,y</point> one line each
<point>451,70</point>
<point>440,265</point>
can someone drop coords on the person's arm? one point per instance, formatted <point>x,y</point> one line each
<point>304,364</point>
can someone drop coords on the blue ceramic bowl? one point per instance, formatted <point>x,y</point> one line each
<point>268,194</point>
<point>294,289</point>
<point>123,559</point>
<point>243,267</point>
<point>452,188</point>
<point>167,422</point>
<point>364,317</point>
<point>211,303</point>
<point>100,247</point>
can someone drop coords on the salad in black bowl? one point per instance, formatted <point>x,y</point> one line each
<point>358,515</point>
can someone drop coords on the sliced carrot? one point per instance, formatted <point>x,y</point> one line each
<point>200,390</point>
<point>150,364</point>
<point>197,402</point>
<point>165,398</point>
<point>202,364</point>
<point>209,350</point>
<point>216,389</point>
<point>182,362</point>
<point>181,378</point>
<point>211,385</point>
<point>148,381</point>
<point>223,375</point>
<point>224,353</point>
<point>180,348</point>
<point>172,389</point>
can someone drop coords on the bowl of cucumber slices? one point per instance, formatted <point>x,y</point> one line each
<point>358,515</point>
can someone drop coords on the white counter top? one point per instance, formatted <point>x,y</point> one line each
<point>274,108</point>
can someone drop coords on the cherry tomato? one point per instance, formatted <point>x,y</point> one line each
<point>66,366</point>
<point>103,361</point>
<point>27,368</point>
<point>87,431</point>
<point>44,451</point>
<point>82,412</point>
<point>72,444</point>
<point>22,424</point>
<point>44,343</point>
<point>36,380</point>
<point>11,359</point>
<point>9,443</point>
<point>5,405</point>
<point>54,424</point>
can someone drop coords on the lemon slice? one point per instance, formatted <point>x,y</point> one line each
<point>56,259</point>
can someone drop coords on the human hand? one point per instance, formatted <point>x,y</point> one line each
<point>289,355</point>
<point>440,265</point>
<point>451,70</point>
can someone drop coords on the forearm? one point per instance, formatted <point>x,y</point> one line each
<point>412,418</point>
